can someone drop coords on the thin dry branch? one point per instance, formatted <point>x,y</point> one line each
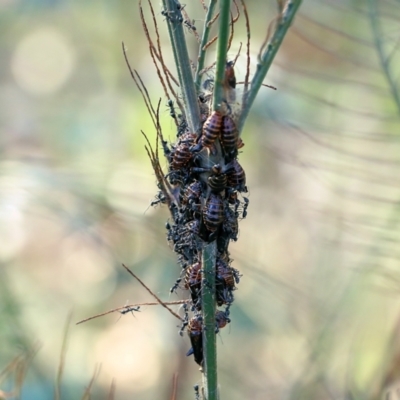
<point>61,365</point>
<point>159,55</point>
<point>146,98</point>
<point>162,181</point>
<point>96,373</point>
<point>111,393</point>
<point>131,307</point>
<point>203,71</point>
<point>213,19</point>
<point>209,43</point>
<point>234,20</point>
<point>247,77</point>
<point>205,8</point>
<point>174,386</point>
<point>188,23</point>
<point>152,50</point>
<point>231,34</point>
<point>152,293</point>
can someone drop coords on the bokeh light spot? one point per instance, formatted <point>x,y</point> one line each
<point>43,61</point>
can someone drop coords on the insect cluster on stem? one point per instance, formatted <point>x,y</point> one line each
<point>208,185</point>
<point>205,185</point>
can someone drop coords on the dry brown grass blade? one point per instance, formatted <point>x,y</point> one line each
<point>213,19</point>
<point>152,293</point>
<point>203,71</point>
<point>152,50</point>
<point>11,366</point>
<point>234,20</point>
<point>148,98</point>
<point>154,158</point>
<point>18,366</point>
<point>238,54</point>
<point>86,394</point>
<point>209,43</point>
<point>111,393</point>
<point>231,34</point>
<point>264,84</point>
<point>174,386</point>
<point>247,77</point>
<point>162,181</point>
<point>214,39</point>
<point>20,374</point>
<point>205,8</point>
<point>141,90</point>
<point>60,371</point>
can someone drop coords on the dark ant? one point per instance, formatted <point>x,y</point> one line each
<point>176,285</point>
<point>173,19</point>
<point>185,322</point>
<point>171,108</point>
<point>195,328</point>
<point>221,320</point>
<point>196,392</point>
<point>160,199</point>
<point>189,25</point>
<point>213,212</point>
<point>246,204</point>
<point>130,309</point>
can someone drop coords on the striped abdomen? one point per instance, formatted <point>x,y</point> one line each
<point>224,275</point>
<point>213,212</point>
<point>194,329</point>
<point>236,176</point>
<point>230,225</point>
<point>211,129</point>
<point>182,154</point>
<point>217,180</point>
<point>229,135</point>
<point>192,193</point>
<point>221,319</point>
<point>193,277</point>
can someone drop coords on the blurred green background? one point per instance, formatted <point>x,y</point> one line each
<point>317,310</point>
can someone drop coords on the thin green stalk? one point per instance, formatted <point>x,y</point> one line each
<point>185,76</point>
<point>222,48</point>
<point>266,58</point>
<point>210,375</point>
<point>204,41</point>
<point>384,60</point>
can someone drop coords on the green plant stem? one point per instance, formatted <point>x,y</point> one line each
<point>265,59</point>
<point>204,41</point>
<point>185,76</point>
<point>222,47</point>
<point>210,373</point>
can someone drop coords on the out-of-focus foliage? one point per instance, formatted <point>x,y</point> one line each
<point>317,312</point>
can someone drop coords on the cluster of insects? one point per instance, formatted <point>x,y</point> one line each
<point>204,186</point>
<point>204,189</point>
